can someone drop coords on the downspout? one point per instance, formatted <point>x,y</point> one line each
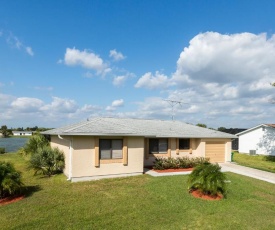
<point>70,156</point>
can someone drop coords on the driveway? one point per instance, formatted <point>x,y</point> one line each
<point>250,172</point>
<point>228,167</point>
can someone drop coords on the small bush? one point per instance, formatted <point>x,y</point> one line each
<point>35,142</point>
<point>10,180</point>
<point>269,158</point>
<point>162,163</point>
<point>208,179</point>
<point>48,161</point>
<point>2,150</point>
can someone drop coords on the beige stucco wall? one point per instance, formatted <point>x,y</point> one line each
<point>63,145</point>
<point>83,157</point>
<point>198,150</point>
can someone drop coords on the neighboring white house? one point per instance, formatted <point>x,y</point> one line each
<point>22,133</point>
<point>258,140</point>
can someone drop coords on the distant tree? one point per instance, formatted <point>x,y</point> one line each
<point>222,129</point>
<point>201,125</point>
<point>5,131</point>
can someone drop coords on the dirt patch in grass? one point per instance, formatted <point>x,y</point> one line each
<point>198,194</point>
<point>9,200</point>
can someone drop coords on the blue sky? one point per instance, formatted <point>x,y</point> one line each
<point>65,61</point>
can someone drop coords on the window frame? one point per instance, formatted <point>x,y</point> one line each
<point>111,149</point>
<point>187,147</point>
<point>150,140</point>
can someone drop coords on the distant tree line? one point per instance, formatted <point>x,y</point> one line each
<point>6,132</point>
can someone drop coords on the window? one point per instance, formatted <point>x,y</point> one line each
<point>110,148</point>
<point>158,146</point>
<point>184,143</point>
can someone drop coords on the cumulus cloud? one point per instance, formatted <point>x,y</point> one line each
<point>86,59</point>
<point>27,104</point>
<point>27,111</point>
<point>115,104</point>
<point>217,58</point>
<point>61,105</point>
<point>118,103</point>
<point>117,56</point>
<point>150,81</point>
<point>119,80</point>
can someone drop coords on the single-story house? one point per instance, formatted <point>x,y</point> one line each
<point>114,147</point>
<point>258,140</point>
<point>22,133</point>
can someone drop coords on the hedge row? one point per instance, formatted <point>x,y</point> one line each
<point>162,163</point>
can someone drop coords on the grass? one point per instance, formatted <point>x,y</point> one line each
<point>140,202</point>
<point>266,163</point>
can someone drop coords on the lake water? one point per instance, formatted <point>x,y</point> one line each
<point>12,144</point>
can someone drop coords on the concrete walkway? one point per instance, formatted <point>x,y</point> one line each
<point>250,172</point>
<point>227,167</point>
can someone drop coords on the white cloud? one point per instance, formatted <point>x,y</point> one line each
<point>115,104</point>
<point>117,56</point>
<point>14,42</point>
<point>61,105</point>
<point>118,103</point>
<point>29,51</point>
<point>213,57</point>
<point>157,81</point>
<point>119,80</point>
<point>25,111</point>
<point>26,104</point>
<point>86,59</point>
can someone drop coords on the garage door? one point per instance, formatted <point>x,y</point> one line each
<point>215,151</point>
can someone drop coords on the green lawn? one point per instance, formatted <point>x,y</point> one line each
<point>141,202</point>
<point>256,161</point>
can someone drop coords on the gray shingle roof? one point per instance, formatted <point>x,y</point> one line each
<point>105,126</point>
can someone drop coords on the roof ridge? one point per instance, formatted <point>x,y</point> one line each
<point>81,125</point>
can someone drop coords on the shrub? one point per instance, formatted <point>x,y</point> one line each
<point>208,179</point>
<point>10,180</point>
<point>47,161</point>
<point>162,163</point>
<point>35,142</point>
<point>2,150</point>
<point>269,158</point>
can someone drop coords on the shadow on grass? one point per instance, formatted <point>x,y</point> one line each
<point>269,158</point>
<point>30,190</point>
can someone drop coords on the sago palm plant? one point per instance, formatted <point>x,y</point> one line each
<point>47,161</point>
<point>208,179</point>
<point>10,180</point>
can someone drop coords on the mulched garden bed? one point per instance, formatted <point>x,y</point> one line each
<point>198,194</point>
<point>173,170</point>
<point>9,200</point>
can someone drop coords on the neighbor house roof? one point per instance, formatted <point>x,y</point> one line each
<point>106,126</point>
<point>256,127</point>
